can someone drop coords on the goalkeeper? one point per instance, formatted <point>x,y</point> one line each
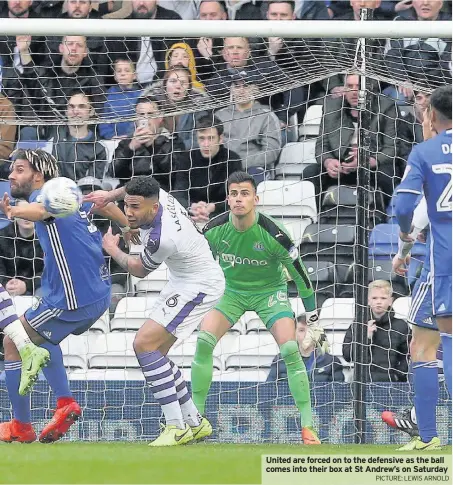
<point>253,251</point>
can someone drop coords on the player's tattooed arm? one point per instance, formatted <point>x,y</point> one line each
<point>129,263</point>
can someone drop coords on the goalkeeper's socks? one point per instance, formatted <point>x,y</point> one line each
<point>159,376</point>
<point>55,372</point>
<point>189,411</point>
<point>426,393</point>
<point>446,354</point>
<point>298,380</point>
<point>202,368</point>
<point>20,404</point>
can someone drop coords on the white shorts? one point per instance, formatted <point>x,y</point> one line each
<point>180,310</point>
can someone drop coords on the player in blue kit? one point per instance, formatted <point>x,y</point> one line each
<point>76,292</point>
<point>430,169</point>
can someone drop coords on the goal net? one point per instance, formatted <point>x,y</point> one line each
<point>190,110</point>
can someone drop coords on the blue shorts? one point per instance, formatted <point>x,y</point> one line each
<point>421,311</point>
<point>442,296</point>
<point>54,324</point>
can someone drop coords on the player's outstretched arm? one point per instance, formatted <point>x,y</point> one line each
<point>31,212</point>
<point>131,264</point>
<point>100,198</point>
<point>115,214</point>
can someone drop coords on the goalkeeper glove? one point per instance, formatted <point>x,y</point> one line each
<point>319,339</point>
<point>312,318</point>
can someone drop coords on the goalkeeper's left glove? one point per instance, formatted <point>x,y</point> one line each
<point>319,339</point>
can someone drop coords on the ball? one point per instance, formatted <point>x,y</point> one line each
<point>61,197</point>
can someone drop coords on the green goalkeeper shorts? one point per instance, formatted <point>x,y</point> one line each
<point>269,306</point>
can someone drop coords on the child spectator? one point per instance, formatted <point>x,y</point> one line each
<point>388,337</point>
<point>181,54</point>
<point>121,101</point>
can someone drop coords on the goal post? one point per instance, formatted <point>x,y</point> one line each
<point>337,232</point>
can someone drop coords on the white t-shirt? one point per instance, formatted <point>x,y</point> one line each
<point>172,237</point>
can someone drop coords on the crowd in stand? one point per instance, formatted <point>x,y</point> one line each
<point>192,111</point>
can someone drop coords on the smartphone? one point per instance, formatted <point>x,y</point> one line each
<point>142,123</point>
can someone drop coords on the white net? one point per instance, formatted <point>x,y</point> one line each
<point>116,107</point>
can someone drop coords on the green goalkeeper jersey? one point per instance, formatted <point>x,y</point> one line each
<point>254,260</point>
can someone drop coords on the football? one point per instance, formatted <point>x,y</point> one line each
<point>61,197</point>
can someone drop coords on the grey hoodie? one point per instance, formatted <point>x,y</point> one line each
<point>254,134</point>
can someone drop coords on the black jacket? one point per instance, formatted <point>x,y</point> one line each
<point>166,160</point>
<point>50,88</point>
<point>418,61</point>
<point>207,178</point>
<point>20,258</point>
<point>388,350</point>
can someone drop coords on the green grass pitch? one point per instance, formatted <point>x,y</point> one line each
<point>136,463</point>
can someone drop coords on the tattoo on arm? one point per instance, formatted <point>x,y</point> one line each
<point>123,261</point>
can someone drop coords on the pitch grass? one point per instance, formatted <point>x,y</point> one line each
<point>136,463</point>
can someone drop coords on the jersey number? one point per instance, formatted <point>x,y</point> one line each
<point>444,203</point>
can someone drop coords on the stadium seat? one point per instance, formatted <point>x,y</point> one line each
<point>45,145</point>
<point>401,307</point>
<point>154,282</point>
<point>322,276</point>
<point>252,351</point>
<point>312,121</point>
<point>287,199</point>
<point>242,375</point>
<point>297,305</point>
<point>296,228</point>
<point>337,313</point>
<point>329,242</point>
<point>114,351</point>
<point>252,323</point>
<point>335,339</point>
<point>384,243</point>
<point>130,312</point>
<point>77,349</point>
<point>339,205</point>
<point>294,157</point>
<point>182,353</point>
<point>108,375</point>
<point>102,325</point>
<point>23,303</point>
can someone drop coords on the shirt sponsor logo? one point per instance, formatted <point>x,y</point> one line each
<point>258,246</point>
<point>233,259</point>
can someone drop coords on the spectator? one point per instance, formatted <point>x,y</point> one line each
<point>336,147</point>
<point>419,60</point>
<point>410,131</point>
<point>21,258</point>
<point>211,165</point>
<point>388,337</point>
<point>7,134</point>
<point>49,87</point>
<point>320,367</point>
<point>304,10</point>
<point>251,130</point>
<point>237,61</point>
<point>181,54</point>
<point>148,54</point>
<point>121,101</point>
<point>208,51</point>
<point>74,144</point>
<point>20,9</point>
<point>187,10</point>
<point>48,8</point>
<point>83,9</point>
<point>153,150</point>
<point>118,276</point>
<point>176,93</point>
